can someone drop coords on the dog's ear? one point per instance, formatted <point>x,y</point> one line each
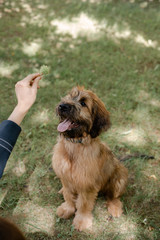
<point>101,119</point>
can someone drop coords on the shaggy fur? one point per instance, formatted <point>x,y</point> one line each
<point>83,163</point>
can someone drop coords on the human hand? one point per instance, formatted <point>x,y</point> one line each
<point>26,91</point>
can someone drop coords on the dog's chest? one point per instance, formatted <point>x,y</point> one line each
<point>77,165</point>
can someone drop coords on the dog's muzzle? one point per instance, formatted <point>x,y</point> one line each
<point>64,108</point>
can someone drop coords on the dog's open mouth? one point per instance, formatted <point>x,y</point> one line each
<point>66,125</point>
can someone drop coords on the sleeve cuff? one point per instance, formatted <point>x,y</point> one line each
<point>9,132</point>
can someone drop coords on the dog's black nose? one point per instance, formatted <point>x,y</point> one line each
<point>64,107</point>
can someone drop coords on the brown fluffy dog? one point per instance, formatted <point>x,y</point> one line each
<point>83,163</point>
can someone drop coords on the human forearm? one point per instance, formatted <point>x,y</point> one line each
<point>18,115</point>
<point>9,132</point>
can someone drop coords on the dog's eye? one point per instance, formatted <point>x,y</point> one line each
<point>83,104</point>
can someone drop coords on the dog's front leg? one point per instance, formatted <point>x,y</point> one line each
<point>84,205</point>
<point>67,209</point>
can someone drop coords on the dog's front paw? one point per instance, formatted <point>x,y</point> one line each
<point>82,221</point>
<point>65,210</point>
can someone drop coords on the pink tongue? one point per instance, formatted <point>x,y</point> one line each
<point>63,126</point>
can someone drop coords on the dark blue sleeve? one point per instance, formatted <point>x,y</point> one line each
<point>9,132</point>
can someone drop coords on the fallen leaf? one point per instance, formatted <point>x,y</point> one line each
<point>152,177</point>
<point>151,228</point>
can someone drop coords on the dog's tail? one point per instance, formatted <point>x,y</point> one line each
<point>135,155</point>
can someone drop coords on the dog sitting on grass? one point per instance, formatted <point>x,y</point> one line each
<point>83,163</point>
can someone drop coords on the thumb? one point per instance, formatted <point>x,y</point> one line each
<point>36,81</point>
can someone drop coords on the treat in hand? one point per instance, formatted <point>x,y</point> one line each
<point>44,70</point>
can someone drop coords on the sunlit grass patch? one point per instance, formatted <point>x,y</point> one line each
<point>82,25</point>
<point>147,43</point>
<point>41,116</point>
<point>31,49</point>
<point>133,136</point>
<point>35,217</point>
<point>6,69</point>
<point>19,169</point>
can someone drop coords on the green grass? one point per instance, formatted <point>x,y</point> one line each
<point>120,61</point>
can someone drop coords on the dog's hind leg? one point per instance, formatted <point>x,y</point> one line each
<point>115,207</point>
<point>114,189</point>
<point>67,209</point>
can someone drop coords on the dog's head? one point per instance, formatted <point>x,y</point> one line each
<point>81,112</point>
